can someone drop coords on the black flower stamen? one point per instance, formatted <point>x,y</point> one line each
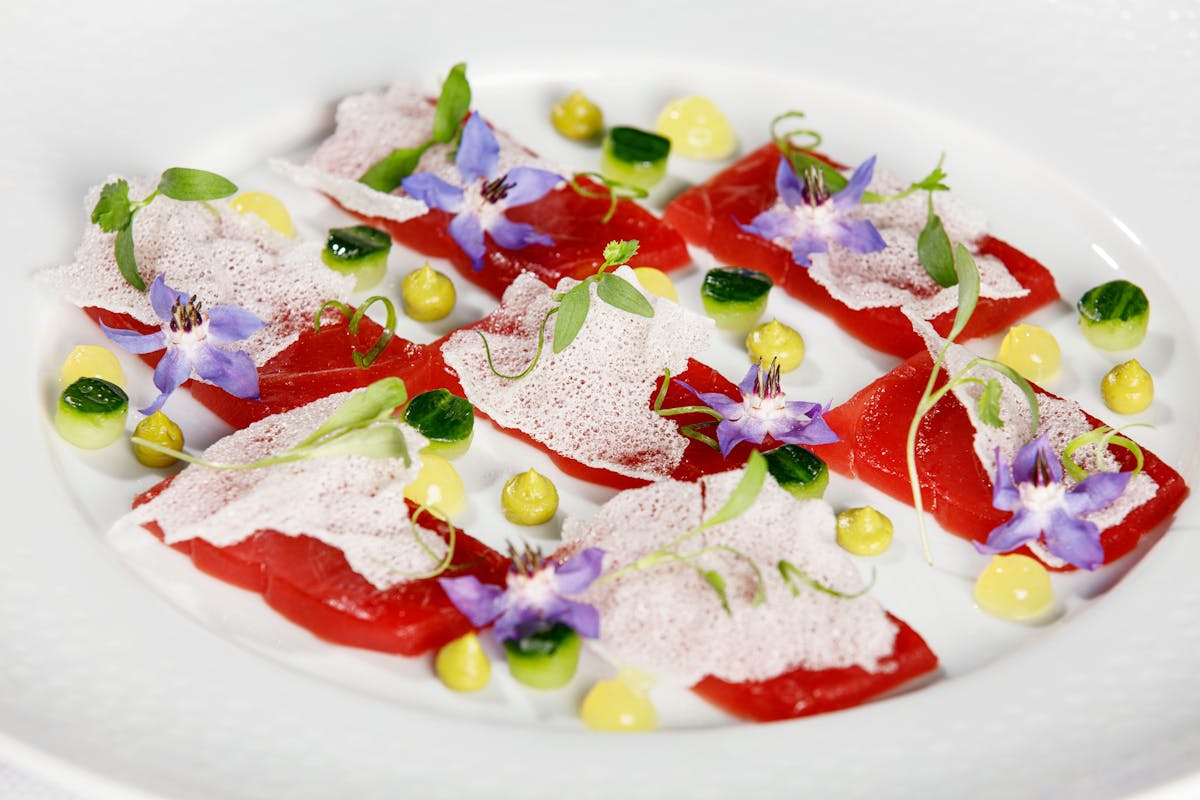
<point>185,316</point>
<point>496,190</point>
<point>814,188</point>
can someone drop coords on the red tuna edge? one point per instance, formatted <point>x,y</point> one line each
<point>957,491</point>
<point>708,215</point>
<point>803,692</point>
<point>310,583</point>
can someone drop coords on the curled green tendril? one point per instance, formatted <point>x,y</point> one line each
<point>790,572</point>
<point>1102,436</point>
<point>451,538</point>
<point>487,349</point>
<point>614,191</point>
<point>689,431</point>
<point>786,141</point>
<point>389,330</point>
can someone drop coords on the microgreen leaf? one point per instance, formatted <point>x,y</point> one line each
<point>441,416</point>
<point>620,293</point>
<point>1019,381</point>
<point>572,312</point>
<point>113,211</point>
<point>989,404</point>
<point>1103,436</point>
<point>933,182</point>
<point>935,252</point>
<point>968,290</point>
<point>373,441</point>
<point>617,253</point>
<point>452,105</point>
<point>181,183</point>
<point>388,172</point>
<point>717,582</point>
<point>126,262</point>
<point>376,402</point>
<point>744,494</point>
<point>790,571</point>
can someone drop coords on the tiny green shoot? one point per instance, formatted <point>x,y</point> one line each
<point>1102,436</point>
<point>613,191</point>
<point>389,329</point>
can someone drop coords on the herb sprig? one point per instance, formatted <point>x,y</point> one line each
<point>114,211</point>
<point>453,104</point>
<point>389,329</point>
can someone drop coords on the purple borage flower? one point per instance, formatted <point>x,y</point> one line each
<point>813,218</point>
<point>535,597</point>
<point>1044,507</point>
<point>479,204</point>
<point>764,410</point>
<point>193,338</point>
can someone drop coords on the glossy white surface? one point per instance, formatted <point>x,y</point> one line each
<point>110,690</point>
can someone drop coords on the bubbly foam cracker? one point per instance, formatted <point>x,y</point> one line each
<point>668,621</point>
<point>353,503</point>
<point>213,252</point>
<point>369,127</point>
<point>894,277</point>
<point>1061,420</point>
<point>591,401</point>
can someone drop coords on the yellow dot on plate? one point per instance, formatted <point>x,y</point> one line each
<point>1014,587</point>
<point>91,361</point>
<point>656,282</point>
<point>1031,351</point>
<point>620,704</point>
<point>266,206</point>
<point>427,295</point>
<point>697,128</point>
<point>462,665</point>
<point>438,486</point>
<point>864,531</point>
<point>1127,388</point>
<point>529,498</point>
<point>774,340</point>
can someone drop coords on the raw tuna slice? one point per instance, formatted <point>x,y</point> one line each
<point>708,215</point>
<point>957,489</point>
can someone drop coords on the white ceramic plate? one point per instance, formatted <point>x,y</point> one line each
<point>1063,123</point>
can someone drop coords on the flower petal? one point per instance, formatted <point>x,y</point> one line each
<point>227,324</point>
<point>163,298</point>
<point>1026,459</point>
<point>1023,527</point>
<point>529,184</point>
<point>579,571</point>
<point>730,433</point>
<point>787,184</point>
<point>851,194</point>
<point>173,369</point>
<point>748,383</point>
<point>1076,541</point>
<point>858,235</point>
<point>135,342</point>
<point>1005,495</point>
<point>478,151</point>
<point>802,431</point>
<point>468,232</point>
<point>725,406</point>
<point>434,192</point>
<point>773,226</point>
<point>232,370</point>
<point>1095,492</point>
<point>584,619</point>
<point>479,602</point>
<point>807,243</point>
<point>515,235</point>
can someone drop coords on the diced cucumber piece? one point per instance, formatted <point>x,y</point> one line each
<point>1114,315</point>
<point>799,471</point>
<point>445,419</point>
<point>91,413</point>
<point>360,251</point>
<point>546,660</point>
<point>634,156</point>
<point>735,297</point>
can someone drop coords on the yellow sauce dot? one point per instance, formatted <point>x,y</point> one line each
<point>427,294</point>
<point>529,498</point>
<point>1031,351</point>
<point>1014,587</point>
<point>161,430</point>
<point>656,282</point>
<point>266,206</point>
<point>1127,388</point>
<point>438,486</point>
<point>864,531</point>
<point>620,704</point>
<point>462,665</point>
<point>774,340</point>
<point>697,128</point>
<point>577,117</point>
<point>91,361</point>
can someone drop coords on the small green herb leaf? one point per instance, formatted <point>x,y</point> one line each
<point>181,183</point>
<point>453,104</point>
<point>373,403</point>
<point>113,211</point>
<point>620,293</point>
<point>374,441</point>
<point>744,494</point>
<point>572,312</point>
<point>933,182</point>
<point>441,416</point>
<point>617,253</point>
<point>989,404</point>
<point>935,252</point>
<point>1019,381</point>
<point>387,173</point>
<point>714,579</point>
<point>123,250</point>
<point>968,290</point>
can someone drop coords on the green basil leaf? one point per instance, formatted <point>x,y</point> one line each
<point>181,183</point>
<point>112,211</point>
<point>387,173</point>
<point>372,403</point>
<point>620,293</point>
<point>453,104</point>
<point>989,404</point>
<point>968,289</point>
<point>572,312</point>
<point>935,252</point>
<point>617,253</point>
<point>744,494</point>
<point>714,579</point>
<point>123,250</point>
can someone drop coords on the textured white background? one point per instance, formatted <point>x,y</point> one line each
<point>1103,91</point>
